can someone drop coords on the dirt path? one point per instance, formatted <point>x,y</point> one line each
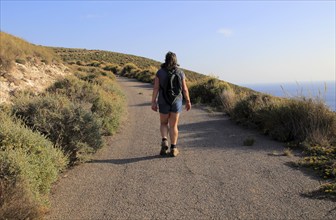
<point>214,177</point>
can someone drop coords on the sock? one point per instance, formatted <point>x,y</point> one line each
<point>172,146</point>
<point>164,139</point>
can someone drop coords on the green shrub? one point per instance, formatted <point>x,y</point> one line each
<point>103,98</point>
<point>108,107</point>
<point>16,200</point>
<point>94,63</point>
<point>64,122</point>
<point>129,70</point>
<point>252,110</point>
<point>115,69</point>
<point>303,120</point>
<point>288,120</point>
<point>147,75</point>
<point>207,91</point>
<point>323,160</point>
<point>80,63</point>
<point>75,89</point>
<point>29,164</point>
<point>20,61</point>
<point>88,73</point>
<point>96,78</point>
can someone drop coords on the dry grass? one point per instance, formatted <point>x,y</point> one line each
<point>229,99</point>
<point>288,152</point>
<point>16,203</point>
<point>16,49</point>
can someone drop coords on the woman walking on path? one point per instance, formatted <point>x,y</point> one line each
<point>169,84</point>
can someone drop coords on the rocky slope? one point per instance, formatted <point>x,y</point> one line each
<point>32,76</point>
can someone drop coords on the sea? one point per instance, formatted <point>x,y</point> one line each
<point>321,90</point>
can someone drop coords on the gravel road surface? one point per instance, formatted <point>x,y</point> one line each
<point>214,177</point>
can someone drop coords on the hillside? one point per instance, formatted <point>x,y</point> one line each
<point>25,66</point>
<point>73,55</point>
<point>102,59</point>
<point>50,118</point>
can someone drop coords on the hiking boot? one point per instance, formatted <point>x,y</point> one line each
<point>174,152</point>
<point>164,148</point>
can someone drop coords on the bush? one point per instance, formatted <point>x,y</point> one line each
<point>29,164</point>
<point>147,75</point>
<point>108,108</point>
<point>229,100</point>
<point>94,63</point>
<point>64,122</point>
<point>303,120</point>
<point>129,70</point>
<point>207,91</point>
<point>104,99</point>
<point>115,69</point>
<point>252,110</point>
<point>80,63</point>
<point>75,89</point>
<point>96,78</point>
<point>16,201</point>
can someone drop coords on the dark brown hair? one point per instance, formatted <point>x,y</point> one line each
<point>170,61</point>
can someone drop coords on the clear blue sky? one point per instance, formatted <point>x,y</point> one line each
<point>239,41</point>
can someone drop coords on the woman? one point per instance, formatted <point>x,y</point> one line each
<point>169,112</point>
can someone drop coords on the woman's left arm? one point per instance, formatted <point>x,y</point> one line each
<point>186,94</point>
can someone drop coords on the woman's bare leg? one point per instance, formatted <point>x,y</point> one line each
<point>173,130</point>
<point>164,125</point>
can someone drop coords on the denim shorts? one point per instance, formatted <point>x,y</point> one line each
<point>175,107</point>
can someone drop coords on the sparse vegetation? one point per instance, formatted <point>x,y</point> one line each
<point>288,152</point>
<point>41,134</point>
<point>323,160</point>
<point>29,164</point>
<point>14,49</point>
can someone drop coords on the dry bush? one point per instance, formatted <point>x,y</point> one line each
<point>16,202</point>
<point>229,100</point>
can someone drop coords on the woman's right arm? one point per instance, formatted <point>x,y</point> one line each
<point>155,93</point>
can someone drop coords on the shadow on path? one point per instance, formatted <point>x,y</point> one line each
<point>128,160</point>
<point>142,104</point>
<point>143,86</point>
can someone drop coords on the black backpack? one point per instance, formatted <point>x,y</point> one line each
<point>173,87</point>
